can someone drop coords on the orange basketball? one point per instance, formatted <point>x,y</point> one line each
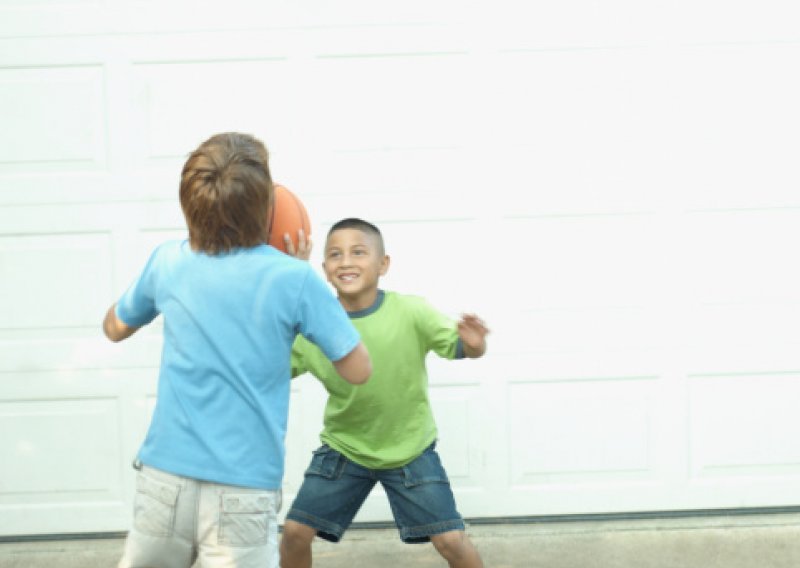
<point>288,216</point>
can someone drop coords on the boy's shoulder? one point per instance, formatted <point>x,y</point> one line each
<point>170,250</point>
<point>406,300</point>
<point>411,305</point>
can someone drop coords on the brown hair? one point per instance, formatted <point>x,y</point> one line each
<point>226,193</point>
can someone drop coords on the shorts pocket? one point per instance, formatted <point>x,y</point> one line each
<point>154,505</point>
<point>427,468</point>
<point>326,462</point>
<point>245,518</point>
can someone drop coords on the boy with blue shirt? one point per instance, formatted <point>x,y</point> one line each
<point>383,431</point>
<point>211,466</point>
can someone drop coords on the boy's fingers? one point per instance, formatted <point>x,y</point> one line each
<point>304,242</point>
<point>303,248</point>
<point>474,322</point>
<point>289,244</point>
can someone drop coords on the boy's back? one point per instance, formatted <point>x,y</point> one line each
<point>229,320</point>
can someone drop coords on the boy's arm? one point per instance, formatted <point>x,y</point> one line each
<point>473,331</point>
<point>356,366</point>
<point>114,328</point>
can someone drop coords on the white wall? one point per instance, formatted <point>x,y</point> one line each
<point>612,185</point>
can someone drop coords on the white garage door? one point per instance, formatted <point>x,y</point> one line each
<point>614,187</point>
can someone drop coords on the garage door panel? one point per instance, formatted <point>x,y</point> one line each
<point>173,102</point>
<point>46,17</point>
<point>421,274</point>
<point>373,187</point>
<point>58,448</point>
<point>598,186</point>
<point>608,332</point>
<point>60,184</point>
<point>436,90</point>
<point>721,151</point>
<point>580,429</point>
<point>74,351</point>
<point>594,99</point>
<point>306,409</point>
<point>41,271</point>
<point>80,516</point>
<point>745,424</point>
<point>743,256</point>
<point>579,260</point>
<point>70,436</point>
<point>461,433</point>
<point>746,326</point>
<point>52,131</point>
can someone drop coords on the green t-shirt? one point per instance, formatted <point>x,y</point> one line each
<point>386,422</point>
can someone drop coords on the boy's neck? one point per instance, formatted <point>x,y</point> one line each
<point>360,302</point>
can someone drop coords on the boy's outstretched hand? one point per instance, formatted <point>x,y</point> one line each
<point>303,250</point>
<point>473,331</point>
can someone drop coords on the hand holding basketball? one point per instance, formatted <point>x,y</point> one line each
<point>289,217</point>
<point>303,249</point>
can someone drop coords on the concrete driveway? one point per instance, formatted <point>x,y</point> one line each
<point>740,541</point>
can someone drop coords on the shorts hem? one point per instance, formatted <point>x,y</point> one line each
<point>325,530</point>
<point>422,534</point>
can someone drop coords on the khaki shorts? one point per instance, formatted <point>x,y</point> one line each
<point>178,521</point>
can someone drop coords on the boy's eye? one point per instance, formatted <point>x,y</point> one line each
<point>333,254</point>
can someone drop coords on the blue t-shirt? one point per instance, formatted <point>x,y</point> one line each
<point>229,323</point>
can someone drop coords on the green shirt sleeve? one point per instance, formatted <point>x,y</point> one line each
<point>298,360</point>
<point>437,330</point>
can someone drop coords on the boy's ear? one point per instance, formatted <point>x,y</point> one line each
<point>385,265</point>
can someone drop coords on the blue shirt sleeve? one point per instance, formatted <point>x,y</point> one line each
<point>137,306</point>
<point>323,321</point>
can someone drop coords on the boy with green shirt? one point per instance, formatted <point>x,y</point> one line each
<point>383,431</point>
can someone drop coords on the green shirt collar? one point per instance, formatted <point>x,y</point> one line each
<point>370,310</point>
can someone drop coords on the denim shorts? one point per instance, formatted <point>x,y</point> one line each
<point>335,488</point>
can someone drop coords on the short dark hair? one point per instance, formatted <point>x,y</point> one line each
<point>361,225</point>
<point>226,193</point>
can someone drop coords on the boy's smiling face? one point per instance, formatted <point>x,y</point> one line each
<point>354,262</point>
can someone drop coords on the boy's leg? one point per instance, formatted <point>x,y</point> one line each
<point>457,549</point>
<point>425,510</point>
<point>296,545</point>
<point>333,491</point>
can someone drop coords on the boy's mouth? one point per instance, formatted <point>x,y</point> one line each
<point>348,277</point>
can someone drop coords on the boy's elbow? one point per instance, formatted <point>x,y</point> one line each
<point>109,330</point>
<point>113,334</point>
<point>362,375</point>
<point>115,329</point>
<point>356,367</point>
<point>111,337</point>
